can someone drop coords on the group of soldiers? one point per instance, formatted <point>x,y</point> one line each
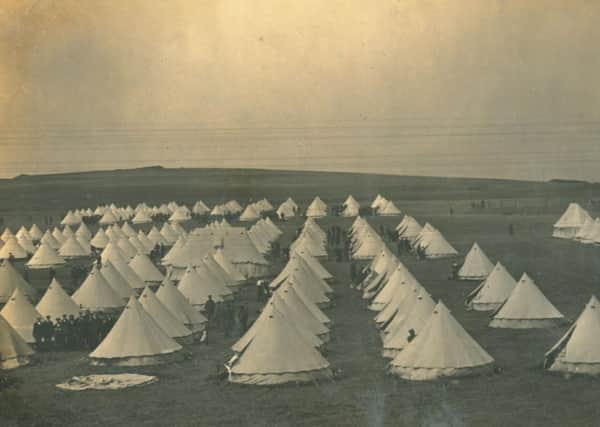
<point>68,333</point>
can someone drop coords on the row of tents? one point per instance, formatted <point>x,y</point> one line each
<point>366,243</point>
<point>424,341</point>
<point>145,214</point>
<point>151,327</point>
<point>286,343</point>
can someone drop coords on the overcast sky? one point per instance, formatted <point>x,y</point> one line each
<point>459,88</point>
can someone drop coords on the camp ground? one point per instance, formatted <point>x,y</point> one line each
<point>237,305</point>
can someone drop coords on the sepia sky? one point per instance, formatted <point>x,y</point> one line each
<point>505,88</point>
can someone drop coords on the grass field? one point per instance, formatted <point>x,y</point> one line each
<point>188,394</point>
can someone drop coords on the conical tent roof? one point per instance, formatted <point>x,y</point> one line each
<point>142,217</point>
<point>389,209</point>
<point>296,290</point>
<point>45,257</point>
<point>72,249</point>
<point>316,209</point>
<point>200,208</point>
<point>180,307</point>
<point>56,302</point>
<point>399,304</point>
<point>58,235</point>
<point>196,290</point>
<point>14,351</point>
<point>477,265</point>
<point>12,247</point>
<point>49,239</point>
<point>6,234</point>
<point>23,233</point>
<point>113,254</point>
<point>408,228</point>
<point>578,350</point>
<point>108,218</point>
<point>128,230</point>
<point>169,233</point>
<point>156,237</point>
<point>212,281</point>
<point>11,279</point>
<point>575,216</point>
<point>145,241</point>
<point>116,280</point>
<point>139,246</point>
<point>215,268</point>
<point>95,294</point>
<point>287,209</point>
<point>228,266</point>
<point>274,306</point>
<point>591,234</point>
<point>21,315</point>
<point>314,264</point>
<point>351,207</point>
<point>127,249</point>
<point>294,309</point>
<point>442,348</point>
<point>249,214</point>
<point>67,232</point>
<point>135,335</point>
<point>526,307</point>
<point>415,319</point>
<point>35,232</point>
<point>144,268</point>
<point>27,244</point>
<point>162,316</point>
<point>493,291</point>
<point>437,246</point>
<point>70,219</point>
<point>100,239</point>
<point>278,354</point>
<point>84,232</point>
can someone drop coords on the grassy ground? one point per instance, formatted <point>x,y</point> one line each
<point>522,394</point>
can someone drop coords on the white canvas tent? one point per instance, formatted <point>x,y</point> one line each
<point>477,266</point>
<point>116,280</point>
<point>180,307</point>
<point>144,268</point>
<point>167,321</point>
<point>441,349</point>
<point>136,340</point>
<point>570,222</point>
<point>11,279</point>
<point>317,208</point>
<point>493,291</point>
<point>45,257</point>
<point>14,351</point>
<point>408,228</point>
<point>389,209</point>
<point>578,351</point>
<point>13,249</point>
<point>21,315</point>
<point>278,354</point>
<point>526,307</point>
<point>56,302</point>
<point>250,214</point>
<point>95,294</point>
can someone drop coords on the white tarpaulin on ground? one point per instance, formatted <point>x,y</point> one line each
<point>106,382</point>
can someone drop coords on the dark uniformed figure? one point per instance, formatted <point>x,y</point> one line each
<point>209,308</point>
<point>38,333</point>
<point>411,335</point>
<point>243,318</point>
<point>455,270</point>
